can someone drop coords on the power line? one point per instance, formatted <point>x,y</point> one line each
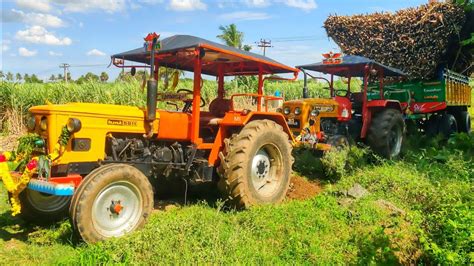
<point>96,65</point>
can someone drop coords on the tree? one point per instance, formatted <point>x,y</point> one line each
<point>9,76</point>
<point>52,78</point>
<point>231,36</point>
<point>26,78</point>
<point>1,75</point>
<point>104,76</point>
<point>18,77</point>
<point>60,77</point>
<point>35,79</point>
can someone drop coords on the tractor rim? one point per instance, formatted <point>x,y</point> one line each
<point>395,141</point>
<point>266,170</point>
<point>117,209</point>
<point>46,202</point>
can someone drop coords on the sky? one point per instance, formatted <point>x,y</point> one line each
<point>39,35</point>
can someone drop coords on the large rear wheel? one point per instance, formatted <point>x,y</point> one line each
<point>386,133</point>
<point>114,201</point>
<point>256,165</point>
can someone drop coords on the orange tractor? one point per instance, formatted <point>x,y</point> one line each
<point>325,122</point>
<point>99,163</point>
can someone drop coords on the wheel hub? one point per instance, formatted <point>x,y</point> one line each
<point>116,207</point>
<point>264,171</point>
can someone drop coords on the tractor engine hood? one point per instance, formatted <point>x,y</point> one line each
<point>89,109</point>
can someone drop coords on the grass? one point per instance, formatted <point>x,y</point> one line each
<point>419,210</point>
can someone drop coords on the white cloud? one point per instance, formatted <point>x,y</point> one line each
<point>5,45</point>
<point>38,5</point>
<point>301,4</point>
<point>81,24</point>
<point>257,3</point>
<point>187,5</point>
<point>52,53</point>
<point>38,34</point>
<point>22,51</point>
<point>244,15</point>
<point>32,18</point>
<point>109,6</point>
<point>95,52</point>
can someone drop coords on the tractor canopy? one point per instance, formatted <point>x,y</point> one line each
<point>350,66</point>
<point>178,52</point>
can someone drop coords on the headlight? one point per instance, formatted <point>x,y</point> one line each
<point>286,111</point>
<point>314,112</point>
<point>73,125</point>
<point>44,123</point>
<point>297,111</point>
<point>31,123</point>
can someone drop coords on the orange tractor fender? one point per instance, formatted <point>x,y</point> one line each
<point>236,120</point>
<point>375,106</point>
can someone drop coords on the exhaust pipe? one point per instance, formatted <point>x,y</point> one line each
<point>305,84</point>
<point>151,91</point>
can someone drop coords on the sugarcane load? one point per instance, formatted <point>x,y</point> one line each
<point>420,41</point>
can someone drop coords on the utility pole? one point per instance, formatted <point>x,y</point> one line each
<point>264,44</point>
<point>65,66</point>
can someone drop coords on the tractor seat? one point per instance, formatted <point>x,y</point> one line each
<point>357,98</point>
<point>219,107</point>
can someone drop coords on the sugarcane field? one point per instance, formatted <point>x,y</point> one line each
<point>237,132</point>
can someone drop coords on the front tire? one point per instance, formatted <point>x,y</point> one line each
<point>114,201</point>
<point>386,133</point>
<point>41,208</point>
<point>256,165</point>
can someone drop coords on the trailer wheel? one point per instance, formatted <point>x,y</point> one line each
<point>463,120</point>
<point>386,133</point>
<point>114,201</point>
<point>256,165</point>
<point>41,208</point>
<point>432,125</point>
<point>447,125</point>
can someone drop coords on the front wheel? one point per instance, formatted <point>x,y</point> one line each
<point>256,165</point>
<point>113,202</point>
<point>386,133</point>
<point>37,207</point>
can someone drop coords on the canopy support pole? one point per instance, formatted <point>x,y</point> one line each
<point>220,82</point>
<point>260,88</point>
<point>196,111</point>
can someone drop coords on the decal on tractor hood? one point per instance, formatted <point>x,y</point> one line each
<point>116,122</point>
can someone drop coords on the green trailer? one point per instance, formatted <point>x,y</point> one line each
<point>436,106</point>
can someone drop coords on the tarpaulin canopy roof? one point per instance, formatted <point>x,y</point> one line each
<point>178,52</point>
<point>351,66</point>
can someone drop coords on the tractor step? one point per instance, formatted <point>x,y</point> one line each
<point>51,188</point>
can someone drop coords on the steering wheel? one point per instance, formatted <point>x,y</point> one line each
<point>344,94</point>
<point>189,102</point>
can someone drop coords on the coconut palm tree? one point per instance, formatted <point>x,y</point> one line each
<point>231,36</point>
<point>104,77</point>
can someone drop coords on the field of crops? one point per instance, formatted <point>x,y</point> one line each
<point>16,98</point>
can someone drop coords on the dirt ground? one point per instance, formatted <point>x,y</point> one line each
<point>301,188</point>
